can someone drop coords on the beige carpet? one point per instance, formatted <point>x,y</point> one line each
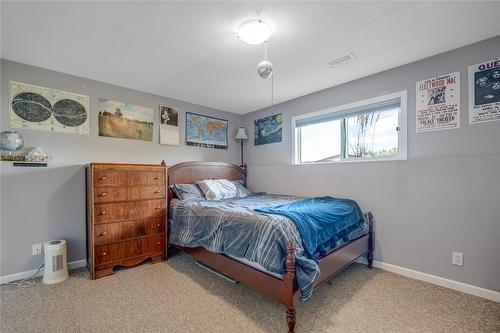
<point>179,296</point>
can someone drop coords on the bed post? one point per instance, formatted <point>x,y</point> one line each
<point>289,290</point>
<point>369,255</point>
<point>244,168</point>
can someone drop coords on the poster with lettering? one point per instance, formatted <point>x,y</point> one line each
<point>484,91</point>
<point>438,103</point>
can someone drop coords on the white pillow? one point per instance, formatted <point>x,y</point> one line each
<point>217,189</point>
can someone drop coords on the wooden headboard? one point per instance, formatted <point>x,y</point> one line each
<point>191,172</point>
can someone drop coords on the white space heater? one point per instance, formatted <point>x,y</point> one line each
<point>56,262</point>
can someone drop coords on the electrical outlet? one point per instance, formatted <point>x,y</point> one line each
<point>457,258</point>
<point>37,249</point>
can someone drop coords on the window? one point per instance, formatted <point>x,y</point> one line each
<point>373,129</point>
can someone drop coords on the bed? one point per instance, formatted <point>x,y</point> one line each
<point>273,259</point>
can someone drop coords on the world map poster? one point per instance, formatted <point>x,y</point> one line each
<point>204,131</point>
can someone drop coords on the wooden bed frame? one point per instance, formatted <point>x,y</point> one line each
<point>282,290</point>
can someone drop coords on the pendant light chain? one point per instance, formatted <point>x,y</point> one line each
<point>272,77</point>
<point>272,94</point>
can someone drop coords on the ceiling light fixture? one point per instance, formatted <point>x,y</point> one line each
<point>254,32</point>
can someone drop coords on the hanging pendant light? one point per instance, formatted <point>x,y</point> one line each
<point>265,69</point>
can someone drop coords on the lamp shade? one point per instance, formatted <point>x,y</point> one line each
<point>241,134</point>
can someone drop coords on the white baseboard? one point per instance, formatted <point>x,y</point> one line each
<point>437,280</point>
<point>27,274</point>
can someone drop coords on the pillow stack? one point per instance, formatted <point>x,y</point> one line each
<point>210,189</point>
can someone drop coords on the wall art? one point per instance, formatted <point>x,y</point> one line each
<point>268,129</point>
<point>438,103</point>
<point>205,131</point>
<point>126,121</point>
<point>484,91</point>
<point>169,126</point>
<point>46,109</point>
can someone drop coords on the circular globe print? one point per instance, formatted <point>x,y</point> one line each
<point>11,141</point>
<point>31,107</point>
<point>69,112</point>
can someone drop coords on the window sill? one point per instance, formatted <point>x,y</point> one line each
<point>388,159</point>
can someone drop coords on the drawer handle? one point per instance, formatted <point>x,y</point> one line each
<point>103,178</point>
<point>103,212</point>
<point>157,178</point>
<point>157,208</point>
<point>104,254</point>
<point>158,243</point>
<point>158,225</point>
<point>104,233</point>
<point>157,192</point>
<point>103,194</point>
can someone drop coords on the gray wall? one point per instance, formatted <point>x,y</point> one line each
<point>42,204</point>
<point>444,198</point>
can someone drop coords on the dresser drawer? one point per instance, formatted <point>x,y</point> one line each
<point>125,178</point>
<point>110,194</point>
<point>151,245</point>
<point>112,232</point>
<point>135,210</point>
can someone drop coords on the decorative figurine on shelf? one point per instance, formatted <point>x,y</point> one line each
<point>37,155</point>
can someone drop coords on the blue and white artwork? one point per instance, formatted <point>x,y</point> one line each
<point>204,131</point>
<point>484,91</point>
<point>268,129</point>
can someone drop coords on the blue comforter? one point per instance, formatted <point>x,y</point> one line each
<point>319,220</point>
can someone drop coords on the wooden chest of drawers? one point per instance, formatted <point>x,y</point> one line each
<point>126,215</point>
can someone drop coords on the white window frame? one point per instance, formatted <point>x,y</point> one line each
<point>402,129</point>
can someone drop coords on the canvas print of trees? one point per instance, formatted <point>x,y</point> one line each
<point>126,121</point>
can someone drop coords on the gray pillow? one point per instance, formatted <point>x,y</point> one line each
<point>187,192</point>
<point>242,190</point>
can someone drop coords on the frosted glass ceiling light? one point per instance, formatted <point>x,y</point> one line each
<point>254,32</point>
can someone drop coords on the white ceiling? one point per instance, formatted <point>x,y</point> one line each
<point>188,50</point>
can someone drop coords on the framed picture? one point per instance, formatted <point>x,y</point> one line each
<point>205,131</point>
<point>169,126</point>
<point>46,109</point>
<point>126,121</point>
<point>268,129</point>
<point>484,91</point>
<point>438,103</point>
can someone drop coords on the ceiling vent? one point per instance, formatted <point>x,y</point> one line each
<point>340,60</point>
